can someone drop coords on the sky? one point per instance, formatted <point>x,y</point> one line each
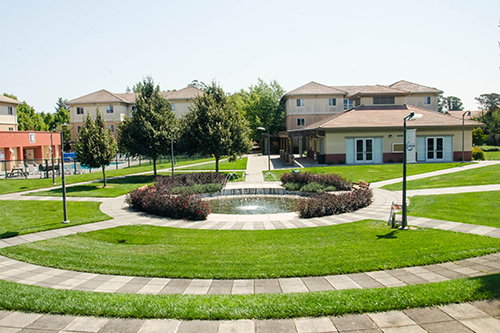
<point>51,49</point>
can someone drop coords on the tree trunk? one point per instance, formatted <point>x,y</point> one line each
<point>216,164</point>
<point>154,167</point>
<point>104,174</point>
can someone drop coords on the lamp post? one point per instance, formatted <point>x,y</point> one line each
<point>52,151</point>
<point>411,116</point>
<point>61,128</point>
<point>463,133</point>
<point>172,147</point>
<point>268,148</point>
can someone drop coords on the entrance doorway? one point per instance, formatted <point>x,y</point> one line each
<point>364,150</point>
<point>435,149</point>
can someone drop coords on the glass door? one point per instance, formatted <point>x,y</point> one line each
<point>364,150</point>
<point>435,149</point>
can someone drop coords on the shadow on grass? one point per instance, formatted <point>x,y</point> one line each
<point>390,235</point>
<point>9,234</point>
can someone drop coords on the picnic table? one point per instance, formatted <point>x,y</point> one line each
<point>17,172</point>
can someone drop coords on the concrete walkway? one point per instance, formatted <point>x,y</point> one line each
<point>468,317</point>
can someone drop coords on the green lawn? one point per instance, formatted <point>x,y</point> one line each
<point>20,185</point>
<point>481,208</point>
<point>239,164</point>
<point>480,176</point>
<point>224,254</point>
<point>25,298</point>
<point>370,173</point>
<point>492,155</point>
<point>24,217</point>
<point>115,187</point>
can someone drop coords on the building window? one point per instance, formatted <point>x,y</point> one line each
<point>78,128</point>
<point>300,102</point>
<point>9,110</point>
<point>383,100</point>
<point>348,104</point>
<point>111,128</point>
<point>109,109</point>
<point>11,129</point>
<point>358,102</point>
<point>133,108</point>
<point>301,122</point>
<point>332,102</point>
<point>173,106</point>
<point>79,110</point>
<point>427,100</point>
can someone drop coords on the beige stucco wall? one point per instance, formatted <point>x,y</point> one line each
<point>5,127</point>
<point>335,140</point>
<point>181,106</point>
<point>418,101</point>
<point>314,105</point>
<point>119,111</point>
<point>7,119</point>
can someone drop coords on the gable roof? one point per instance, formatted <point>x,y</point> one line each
<point>314,88</point>
<point>101,96</point>
<point>378,90</point>
<point>184,93</point>
<point>371,116</point>
<point>414,87</point>
<point>6,99</point>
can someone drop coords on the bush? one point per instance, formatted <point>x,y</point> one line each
<point>478,137</point>
<point>166,183</point>
<point>197,189</point>
<point>304,178</point>
<point>313,187</point>
<point>292,186</point>
<point>334,204</point>
<point>478,154</point>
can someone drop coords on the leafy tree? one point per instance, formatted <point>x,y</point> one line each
<point>148,131</point>
<point>261,107</point>
<point>478,137</point>
<point>61,104</point>
<point>10,96</point>
<point>489,102</point>
<point>452,103</point>
<point>137,87</point>
<point>196,84</point>
<point>128,90</point>
<point>214,126</point>
<point>29,119</point>
<point>490,105</point>
<point>95,146</point>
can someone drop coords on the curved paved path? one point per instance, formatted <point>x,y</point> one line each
<point>476,316</point>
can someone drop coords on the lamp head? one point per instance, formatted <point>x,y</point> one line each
<point>261,128</point>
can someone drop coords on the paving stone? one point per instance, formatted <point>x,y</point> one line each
<point>275,326</point>
<point>10,330</point>
<point>317,283</point>
<point>427,315</point>
<point>198,287</point>
<point>197,326</point>
<point>243,287</point>
<point>130,288</point>
<point>491,307</point>
<point>86,324</point>
<point>122,326</point>
<point>19,319</point>
<point>4,314</point>
<point>159,326</point>
<point>483,325</point>
<point>391,319</point>
<point>446,327</point>
<point>267,286</point>
<point>90,285</point>
<point>176,286</point>
<point>54,322</point>
<point>292,285</point>
<point>342,282</point>
<point>364,281</point>
<point>308,325</point>
<point>237,326</point>
<point>353,323</point>
<point>462,311</point>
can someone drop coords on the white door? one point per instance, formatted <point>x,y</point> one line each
<point>364,151</point>
<point>434,149</point>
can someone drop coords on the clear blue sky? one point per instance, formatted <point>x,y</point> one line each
<point>68,49</point>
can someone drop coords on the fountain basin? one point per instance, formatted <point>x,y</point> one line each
<point>253,204</point>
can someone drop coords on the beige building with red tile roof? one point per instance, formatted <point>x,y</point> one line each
<point>8,113</point>
<point>116,106</point>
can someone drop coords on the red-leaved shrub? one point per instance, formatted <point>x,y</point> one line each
<point>334,204</point>
<point>303,178</point>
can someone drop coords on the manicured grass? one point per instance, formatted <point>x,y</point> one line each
<point>115,187</point>
<point>492,155</point>
<point>370,173</point>
<point>479,176</point>
<point>239,164</point>
<point>481,208</point>
<point>20,185</point>
<point>19,297</point>
<point>24,217</point>
<point>223,254</point>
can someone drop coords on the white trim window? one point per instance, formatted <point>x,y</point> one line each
<point>332,102</point>
<point>301,122</point>
<point>300,102</point>
<point>9,110</point>
<point>427,100</point>
<point>173,106</point>
<point>11,129</point>
<point>79,110</point>
<point>109,109</point>
<point>348,104</point>
<point>133,108</point>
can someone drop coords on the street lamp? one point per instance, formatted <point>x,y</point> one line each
<point>268,148</point>
<point>52,152</point>
<point>463,133</point>
<point>61,128</point>
<point>411,116</point>
<point>172,147</point>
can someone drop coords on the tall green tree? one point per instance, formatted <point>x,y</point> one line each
<point>261,107</point>
<point>28,119</point>
<point>214,126</point>
<point>10,96</point>
<point>490,105</point>
<point>61,104</point>
<point>95,146</point>
<point>149,130</point>
<point>452,103</point>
